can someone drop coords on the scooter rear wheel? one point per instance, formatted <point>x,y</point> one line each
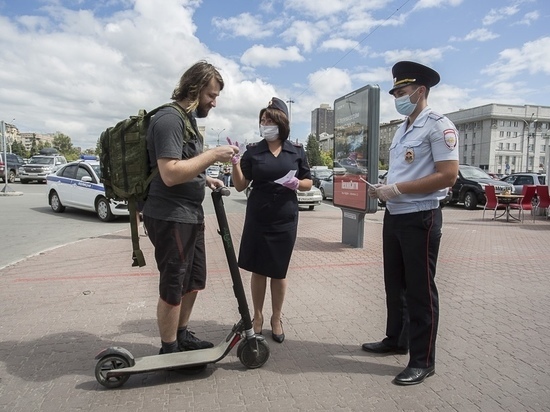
<point>108,363</point>
<point>248,357</point>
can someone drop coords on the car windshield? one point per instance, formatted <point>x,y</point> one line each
<point>470,172</point>
<point>42,160</point>
<point>323,174</point>
<point>97,170</point>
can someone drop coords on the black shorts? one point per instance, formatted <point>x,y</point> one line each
<point>181,257</point>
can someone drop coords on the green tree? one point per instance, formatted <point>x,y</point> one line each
<point>326,156</point>
<point>313,152</point>
<point>98,147</point>
<point>64,144</point>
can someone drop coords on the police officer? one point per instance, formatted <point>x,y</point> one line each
<point>423,163</point>
<point>277,168</point>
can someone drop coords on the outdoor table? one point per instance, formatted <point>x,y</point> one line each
<point>507,200</point>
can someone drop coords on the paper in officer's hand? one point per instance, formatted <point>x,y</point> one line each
<point>287,177</point>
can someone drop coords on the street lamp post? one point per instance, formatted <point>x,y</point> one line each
<point>289,102</point>
<point>218,135</point>
<point>525,154</point>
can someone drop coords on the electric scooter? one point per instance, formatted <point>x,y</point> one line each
<point>116,364</point>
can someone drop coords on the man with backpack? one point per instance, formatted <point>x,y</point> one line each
<point>173,213</point>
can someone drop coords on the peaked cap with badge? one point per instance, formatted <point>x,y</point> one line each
<point>276,103</point>
<point>405,73</point>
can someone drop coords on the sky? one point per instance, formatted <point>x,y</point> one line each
<point>79,66</point>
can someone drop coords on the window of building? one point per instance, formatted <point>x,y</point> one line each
<point>515,124</point>
<point>502,123</point>
<point>531,148</point>
<point>514,146</point>
<point>515,134</point>
<point>465,147</point>
<point>507,146</point>
<point>473,147</point>
<point>501,146</point>
<point>508,134</point>
<point>501,133</point>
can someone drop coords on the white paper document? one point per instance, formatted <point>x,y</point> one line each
<point>287,177</point>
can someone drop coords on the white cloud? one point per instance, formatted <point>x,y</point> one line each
<point>480,35</point>
<point>428,56</point>
<point>531,59</point>
<point>529,18</point>
<point>498,14</point>
<point>259,55</point>
<point>427,4</point>
<point>246,25</point>
<point>339,44</point>
<point>305,34</point>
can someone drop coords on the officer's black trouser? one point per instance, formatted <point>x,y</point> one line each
<point>410,248</point>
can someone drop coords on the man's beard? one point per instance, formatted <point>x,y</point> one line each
<point>202,111</point>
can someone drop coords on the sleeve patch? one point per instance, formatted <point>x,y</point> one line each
<point>449,136</point>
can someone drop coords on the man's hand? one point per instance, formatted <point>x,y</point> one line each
<point>225,153</point>
<point>213,183</point>
<point>386,192</point>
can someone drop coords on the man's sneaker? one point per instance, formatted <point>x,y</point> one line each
<point>188,341</point>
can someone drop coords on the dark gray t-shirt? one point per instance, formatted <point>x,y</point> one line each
<point>165,139</point>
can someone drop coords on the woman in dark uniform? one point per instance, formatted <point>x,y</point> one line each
<point>271,219</point>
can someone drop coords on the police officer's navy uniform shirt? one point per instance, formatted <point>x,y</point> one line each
<point>413,153</point>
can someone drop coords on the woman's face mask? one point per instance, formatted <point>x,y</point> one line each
<point>269,133</point>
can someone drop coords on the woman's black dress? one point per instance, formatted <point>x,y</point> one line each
<point>271,220</point>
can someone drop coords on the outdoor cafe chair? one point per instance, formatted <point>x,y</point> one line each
<point>544,200</point>
<point>492,202</point>
<point>526,203</point>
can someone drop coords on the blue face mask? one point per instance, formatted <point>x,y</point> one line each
<point>404,106</point>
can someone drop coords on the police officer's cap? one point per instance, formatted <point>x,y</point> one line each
<point>278,104</point>
<point>405,73</point>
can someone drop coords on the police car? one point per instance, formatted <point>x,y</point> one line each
<point>77,184</point>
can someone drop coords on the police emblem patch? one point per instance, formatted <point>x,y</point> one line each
<point>409,155</point>
<point>449,136</point>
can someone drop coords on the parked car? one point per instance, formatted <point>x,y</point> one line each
<point>309,198</point>
<point>327,187</point>
<point>470,186</point>
<point>214,171</point>
<point>349,165</point>
<point>40,166</point>
<point>11,168</point>
<point>317,175</point>
<point>526,178</point>
<point>77,184</point>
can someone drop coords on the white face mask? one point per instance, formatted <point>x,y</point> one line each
<point>269,133</point>
<point>404,105</point>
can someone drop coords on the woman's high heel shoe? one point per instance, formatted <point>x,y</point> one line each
<point>278,338</point>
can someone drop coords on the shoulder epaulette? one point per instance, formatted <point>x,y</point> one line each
<point>435,116</point>
<point>252,144</point>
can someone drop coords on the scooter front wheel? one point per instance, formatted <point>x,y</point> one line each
<point>108,363</point>
<point>248,355</point>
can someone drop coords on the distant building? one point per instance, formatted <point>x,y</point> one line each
<point>503,138</point>
<point>499,138</point>
<point>322,121</point>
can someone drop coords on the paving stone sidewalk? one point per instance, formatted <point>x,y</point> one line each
<point>61,307</point>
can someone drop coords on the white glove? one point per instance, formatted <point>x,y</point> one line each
<point>387,192</point>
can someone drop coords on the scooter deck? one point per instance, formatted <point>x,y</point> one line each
<point>175,360</point>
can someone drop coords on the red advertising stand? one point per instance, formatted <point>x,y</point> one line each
<point>356,140</point>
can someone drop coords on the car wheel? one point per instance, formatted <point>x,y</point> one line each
<point>470,201</point>
<point>311,207</point>
<point>11,177</point>
<point>24,181</point>
<point>55,202</point>
<point>103,210</point>
<point>323,193</point>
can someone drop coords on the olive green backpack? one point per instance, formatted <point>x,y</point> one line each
<point>125,170</point>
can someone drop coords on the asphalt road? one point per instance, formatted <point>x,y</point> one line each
<point>29,226</point>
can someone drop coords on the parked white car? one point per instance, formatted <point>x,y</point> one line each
<point>78,185</point>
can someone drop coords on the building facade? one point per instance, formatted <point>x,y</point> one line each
<point>504,138</point>
<point>322,121</point>
<point>498,138</point>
